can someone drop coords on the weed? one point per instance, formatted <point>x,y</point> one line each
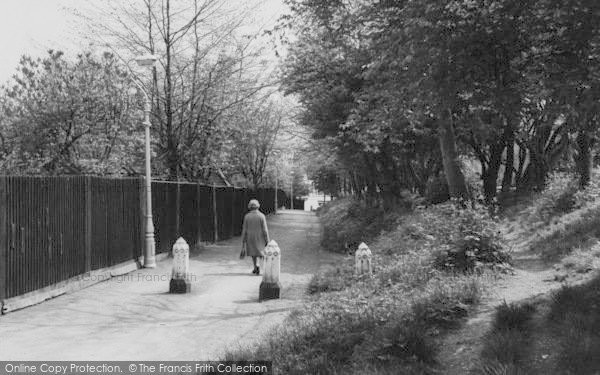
<point>499,368</point>
<point>580,345</point>
<point>331,281</point>
<point>575,312</point>
<point>506,347</point>
<point>513,317</point>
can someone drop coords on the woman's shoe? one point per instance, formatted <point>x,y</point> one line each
<point>255,270</point>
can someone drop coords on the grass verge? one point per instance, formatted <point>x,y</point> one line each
<point>385,323</point>
<point>560,336</point>
<point>506,346</point>
<point>578,229</point>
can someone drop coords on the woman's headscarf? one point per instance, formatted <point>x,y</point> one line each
<point>253,204</point>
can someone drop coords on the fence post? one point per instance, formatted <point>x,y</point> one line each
<point>88,223</point>
<point>214,207</point>
<point>198,198</point>
<point>3,241</point>
<point>232,221</point>
<point>178,209</point>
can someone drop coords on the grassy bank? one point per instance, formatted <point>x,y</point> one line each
<point>559,221</point>
<point>387,323</point>
<point>556,335</point>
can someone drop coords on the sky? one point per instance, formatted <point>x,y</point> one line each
<point>33,26</point>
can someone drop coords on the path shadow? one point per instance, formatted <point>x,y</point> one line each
<point>246,301</point>
<point>532,264</point>
<point>249,274</point>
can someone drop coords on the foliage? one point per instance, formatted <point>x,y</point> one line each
<point>62,116</point>
<point>326,180</point>
<point>513,316</point>
<point>557,199</point>
<point>382,81</point>
<point>209,76</point>
<point>252,141</point>
<point>347,222</point>
<point>466,238</point>
<point>385,324</point>
<point>436,190</point>
<point>473,252</point>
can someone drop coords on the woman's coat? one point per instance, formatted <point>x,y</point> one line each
<point>255,233</point>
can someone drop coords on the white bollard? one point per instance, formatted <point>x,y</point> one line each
<point>270,285</point>
<point>180,280</point>
<point>362,259</point>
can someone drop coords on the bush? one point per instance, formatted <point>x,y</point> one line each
<point>469,240</point>
<point>347,222</point>
<point>513,317</point>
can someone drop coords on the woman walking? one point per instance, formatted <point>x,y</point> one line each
<point>255,235</point>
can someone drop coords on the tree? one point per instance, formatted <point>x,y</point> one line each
<point>567,35</point>
<point>70,117</point>
<point>207,72</point>
<point>252,141</point>
<point>349,99</point>
<point>510,83</point>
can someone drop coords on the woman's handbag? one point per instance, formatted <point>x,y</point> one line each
<point>243,252</point>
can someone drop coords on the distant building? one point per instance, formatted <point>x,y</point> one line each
<point>315,200</point>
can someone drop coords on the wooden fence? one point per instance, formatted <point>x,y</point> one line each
<point>55,228</point>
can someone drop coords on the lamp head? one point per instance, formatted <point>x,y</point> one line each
<point>146,60</point>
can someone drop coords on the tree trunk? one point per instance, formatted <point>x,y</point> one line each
<point>584,159</point>
<point>454,176</point>
<point>535,174</point>
<point>490,179</point>
<point>509,164</point>
<point>520,167</point>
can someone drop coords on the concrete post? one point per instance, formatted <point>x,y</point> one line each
<point>180,280</point>
<point>362,259</point>
<point>270,285</point>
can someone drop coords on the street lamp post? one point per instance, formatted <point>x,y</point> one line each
<point>292,185</point>
<point>149,254</point>
<point>274,154</point>
<point>292,191</point>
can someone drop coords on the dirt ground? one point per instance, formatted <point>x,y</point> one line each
<point>133,317</point>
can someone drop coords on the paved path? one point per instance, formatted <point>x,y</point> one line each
<point>132,317</point>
